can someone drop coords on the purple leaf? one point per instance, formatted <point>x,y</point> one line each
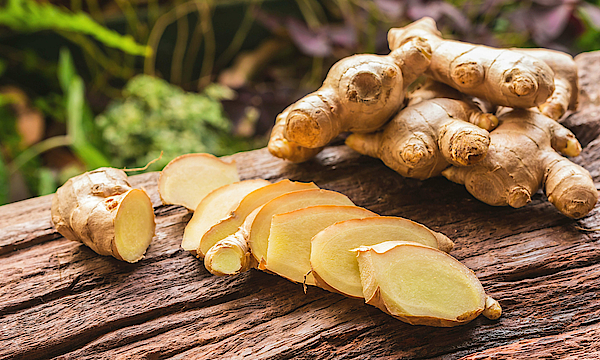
<point>344,36</point>
<point>437,10</point>
<point>547,25</point>
<point>592,13</point>
<point>309,42</point>
<point>392,9</point>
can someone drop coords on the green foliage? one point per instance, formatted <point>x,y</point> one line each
<point>155,116</point>
<point>4,183</point>
<point>31,16</point>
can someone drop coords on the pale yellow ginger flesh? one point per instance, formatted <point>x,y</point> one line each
<point>522,159</point>
<point>261,226</point>
<point>500,76</point>
<point>250,202</point>
<point>425,138</point>
<point>421,285</point>
<point>334,265</point>
<point>187,179</point>
<point>288,250</point>
<point>359,94</point>
<point>100,209</point>
<point>216,206</point>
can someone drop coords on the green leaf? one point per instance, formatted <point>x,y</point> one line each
<point>46,182</point>
<point>4,183</point>
<point>31,16</point>
<point>66,70</point>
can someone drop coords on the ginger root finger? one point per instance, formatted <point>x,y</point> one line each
<point>282,148</point>
<point>359,94</point>
<point>334,265</point>
<point>424,139</point>
<point>521,159</point>
<point>500,76</point>
<point>421,285</point>
<point>566,92</point>
<point>101,209</point>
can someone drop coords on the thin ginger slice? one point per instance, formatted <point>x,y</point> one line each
<point>100,209</point>
<point>261,226</point>
<point>256,198</point>
<point>421,285</point>
<point>215,207</point>
<point>187,179</point>
<point>334,265</point>
<point>288,250</point>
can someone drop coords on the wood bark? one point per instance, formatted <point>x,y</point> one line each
<point>60,299</point>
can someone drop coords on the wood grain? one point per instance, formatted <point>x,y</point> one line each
<point>59,299</point>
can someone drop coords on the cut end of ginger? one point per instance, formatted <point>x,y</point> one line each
<point>288,251</point>
<point>420,285</point>
<point>216,206</point>
<point>134,225</point>
<point>187,179</point>
<point>340,272</point>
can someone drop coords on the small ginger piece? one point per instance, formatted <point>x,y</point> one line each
<point>216,206</point>
<point>500,76</point>
<point>523,158</point>
<point>289,243</point>
<point>359,94</point>
<point>566,89</point>
<point>187,179</point>
<point>425,138</point>
<point>100,209</point>
<point>421,285</point>
<point>282,148</point>
<point>334,265</point>
<point>236,218</point>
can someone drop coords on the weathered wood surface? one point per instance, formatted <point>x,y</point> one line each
<point>59,299</point>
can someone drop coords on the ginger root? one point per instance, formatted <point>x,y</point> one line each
<point>421,285</point>
<point>360,94</point>
<point>100,209</point>
<point>500,76</point>
<point>424,139</point>
<point>282,148</point>
<point>334,265</point>
<point>523,158</point>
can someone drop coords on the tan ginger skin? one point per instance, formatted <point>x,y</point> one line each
<point>566,90</point>
<point>360,94</point>
<point>424,139</point>
<point>522,158</point>
<point>85,209</point>
<point>500,76</point>
<point>282,148</point>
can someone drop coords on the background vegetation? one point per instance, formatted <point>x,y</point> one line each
<point>90,83</point>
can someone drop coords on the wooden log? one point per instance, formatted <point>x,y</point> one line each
<point>59,299</point>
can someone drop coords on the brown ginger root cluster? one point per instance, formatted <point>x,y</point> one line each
<point>448,125</point>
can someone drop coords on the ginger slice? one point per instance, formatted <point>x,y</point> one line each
<point>421,285</point>
<point>333,263</point>
<point>250,202</point>
<point>187,179</point>
<point>100,209</point>
<point>261,226</point>
<point>288,250</point>
<point>216,206</point>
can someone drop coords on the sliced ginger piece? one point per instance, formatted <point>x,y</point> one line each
<point>258,197</point>
<point>216,206</point>
<point>261,226</point>
<point>100,209</point>
<point>421,285</point>
<point>288,250</point>
<point>187,179</point>
<point>333,263</point>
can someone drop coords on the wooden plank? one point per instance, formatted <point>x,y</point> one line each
<point>58,298</point>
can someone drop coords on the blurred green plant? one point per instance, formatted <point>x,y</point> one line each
<point>156,116</point>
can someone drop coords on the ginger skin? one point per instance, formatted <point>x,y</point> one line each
<point>500,76</point>
<point>424,139</point>
<point>360,94</point>
<point>523,158</point>
<point>566,89</point>
<point>282,148</point>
